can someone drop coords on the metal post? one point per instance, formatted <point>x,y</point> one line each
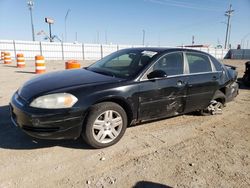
<point>14,45</point>
<point>41,49</point>
<point>143,37</point>
<point>62,51</point>
<point>101,52</point>
<point>50,35</point>
<point>83,55</point>
<point>30,5</point>
<point>98,37</point>
<point>65,26</point>
<point>106,37</point>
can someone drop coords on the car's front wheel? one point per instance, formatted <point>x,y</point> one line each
<point>105,125</point>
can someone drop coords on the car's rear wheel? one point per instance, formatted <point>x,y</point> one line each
<point>216,105</point>
<point>105,125</point>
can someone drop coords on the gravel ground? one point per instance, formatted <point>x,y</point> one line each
<point>184,151</point>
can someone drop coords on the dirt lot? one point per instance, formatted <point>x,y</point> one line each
<point>184,151</point>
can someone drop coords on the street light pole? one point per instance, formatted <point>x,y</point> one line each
<point>65,26</point>
<point>143,37</point>
<point>30,6</point>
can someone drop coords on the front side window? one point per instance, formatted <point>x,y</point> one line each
<point>198,63</point>
<point>171,64</point>
<point>124,63</point>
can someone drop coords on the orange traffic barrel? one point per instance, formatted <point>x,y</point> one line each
<point>20,61</point>
<point>72,64</point>
<point>40,64</point>
<point>2,55</point>
<point>7,58</point>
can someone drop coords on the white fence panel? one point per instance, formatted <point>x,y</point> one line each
<point>29,48</point>
<point>124,46</point>
<point>92,51</point>
<point>7,45</point>
<point>108,49</point>
<point>72,51</point>
<point>66,51</point>
<point>52,51</point>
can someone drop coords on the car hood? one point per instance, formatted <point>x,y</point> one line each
<point>61,79</point>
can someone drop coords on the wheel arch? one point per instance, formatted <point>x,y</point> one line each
<point>220,96</point>
<point>123,103</point>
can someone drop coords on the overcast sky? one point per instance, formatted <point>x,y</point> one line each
<point>166,22</point>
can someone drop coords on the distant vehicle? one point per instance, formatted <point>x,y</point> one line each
<point>124,88</point>
<point>246,76</point>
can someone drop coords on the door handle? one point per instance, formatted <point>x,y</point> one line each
<point>180,83</point>
<point>214,78</point>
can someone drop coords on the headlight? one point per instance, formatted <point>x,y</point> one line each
<point>54,101</point>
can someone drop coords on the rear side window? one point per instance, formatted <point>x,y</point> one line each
<point>172,64</point>
<point>198,63</point>
<point>217,64</point>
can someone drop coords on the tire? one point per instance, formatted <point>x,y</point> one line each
<point>216,105</point>
<point>105,125</point>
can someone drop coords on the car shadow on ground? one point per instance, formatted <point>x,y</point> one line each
<point>12,137</point>
<point>14,66</point>
<point>147,184</point>
<point>25,72</point>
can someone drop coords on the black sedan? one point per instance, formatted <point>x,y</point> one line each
<point>124,88</point>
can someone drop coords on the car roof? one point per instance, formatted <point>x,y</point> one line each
<point>165,50</point>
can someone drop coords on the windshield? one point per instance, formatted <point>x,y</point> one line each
<point>124,63</point>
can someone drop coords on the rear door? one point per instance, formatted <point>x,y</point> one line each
<point>164,96</point>
<point>202,81</point>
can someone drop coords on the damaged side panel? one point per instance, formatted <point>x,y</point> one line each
<point>162,98</point>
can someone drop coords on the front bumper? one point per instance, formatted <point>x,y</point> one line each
<point>46,123</point>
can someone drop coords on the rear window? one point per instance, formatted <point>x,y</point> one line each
<point>198,63</point>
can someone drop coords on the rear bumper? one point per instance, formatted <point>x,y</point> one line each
<point>232,91</point>
<point>44,123</point>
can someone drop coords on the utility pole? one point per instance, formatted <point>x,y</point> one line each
<point>143,37</point>
<point>76,37</point>
<point>228,13</point>
<point>97,37</point>
<point>106,37</point>
<point>30,6</point>
<point>65,26</point>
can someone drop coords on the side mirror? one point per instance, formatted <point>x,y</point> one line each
<point>157,74</point>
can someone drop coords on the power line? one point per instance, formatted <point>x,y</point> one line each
<point>182,5</point>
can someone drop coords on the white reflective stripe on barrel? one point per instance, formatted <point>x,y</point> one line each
<point>40,68</point>
<point>40,61</point>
